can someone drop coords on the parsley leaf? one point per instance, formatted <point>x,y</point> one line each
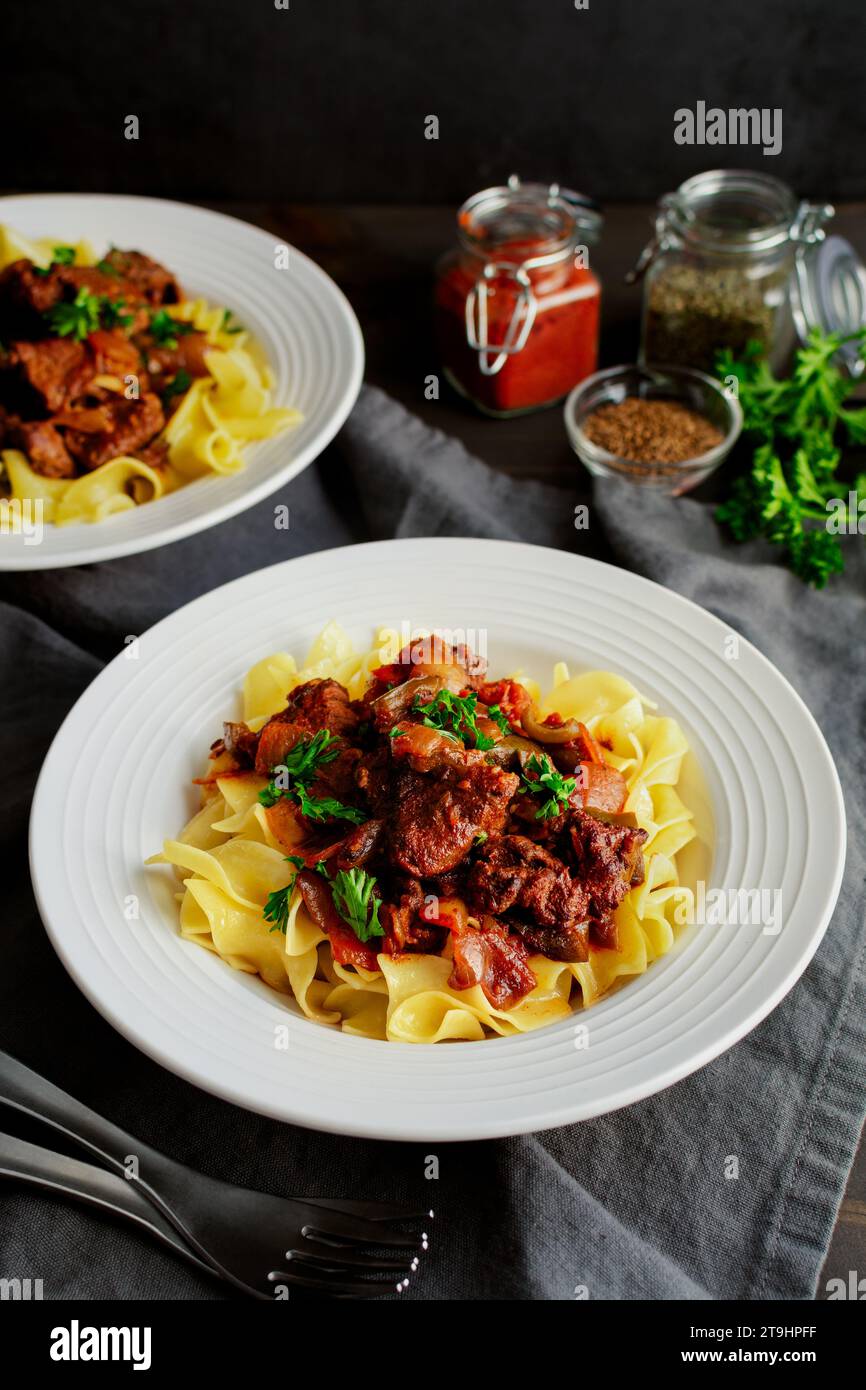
<point>111,312</point>
<point>786,495</point>
<point>352,891</point>
<point>60,255</point>
<point>326,807</point>
<point>227,324</point>
<point>75,319</point>
<point>454,715</point>
<point>166,330</point>
<point>300,767</point>
<point>277,905</point>
<point>176,386</point>
<point>546,776</point>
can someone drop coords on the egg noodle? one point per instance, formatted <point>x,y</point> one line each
<point>229,861</point>
<point>217,416</point>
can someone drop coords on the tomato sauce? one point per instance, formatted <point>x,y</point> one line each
<point>560,350</point>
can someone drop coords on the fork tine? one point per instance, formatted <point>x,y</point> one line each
<point>327,1284</point>
<point>334,1227</point>
<point>348,1260</point>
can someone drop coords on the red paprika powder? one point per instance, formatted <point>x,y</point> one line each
<point>516,303</point>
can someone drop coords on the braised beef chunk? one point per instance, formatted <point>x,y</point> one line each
<point>150,279</point>
<point>373,780</point>
<point>608,859</point>
<point>276,740</point>
<point>436,818</point>
<point>515,875</point>
<point>323,704</point>
<point>241,742</point>
<point>188,356</point>
<point>402,918</point>
<point>568,943</point>
<point>25,295</point>
<point>44,447</point>
<point>337,777</point>
<point>494,959</point>
<point>133,425</point>
<point>39,378</point>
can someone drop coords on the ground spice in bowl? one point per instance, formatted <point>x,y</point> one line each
<point>651,431</point>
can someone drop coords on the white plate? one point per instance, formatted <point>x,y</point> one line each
<point>116,783</point>
<point>304,324</point>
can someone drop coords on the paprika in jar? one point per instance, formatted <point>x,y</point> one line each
<point>516,303</point>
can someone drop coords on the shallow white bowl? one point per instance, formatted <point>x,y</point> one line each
<point>116,783</point>
<point>302,321</point>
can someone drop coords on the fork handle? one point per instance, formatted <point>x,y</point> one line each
<point>32,1094</point>
<point>58,1173</point>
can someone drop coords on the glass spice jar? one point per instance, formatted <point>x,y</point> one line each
<point>516,304</point>
<point>735,258</point>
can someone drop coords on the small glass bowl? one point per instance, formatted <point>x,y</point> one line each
<point>699,392</point>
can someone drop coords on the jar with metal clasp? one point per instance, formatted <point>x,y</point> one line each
<point>736,258</point>
<point>516,302</point>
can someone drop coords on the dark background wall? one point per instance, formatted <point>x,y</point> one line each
<point>326,101</point>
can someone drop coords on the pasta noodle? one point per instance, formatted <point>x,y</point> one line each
<point>229,860</point>
<point>219,414</point>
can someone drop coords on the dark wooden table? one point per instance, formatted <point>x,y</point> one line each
<point>382,257</point>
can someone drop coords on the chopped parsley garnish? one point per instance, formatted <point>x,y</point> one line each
<point>480,837</point>
<point>60,255</point>
<point>499,718</point>
<point>277,905</point>
<point>293,779</point>
<point>165,330</point>
<point>111,312</point>
<point>179,383</point>
<point>454,715</point>
<point>546,777</point>
<point>227,324</point>
<point>106,268</point>
<point>75,319</point>
<point>86,313</point>
<point>326,807</point>
<point>352,892</point>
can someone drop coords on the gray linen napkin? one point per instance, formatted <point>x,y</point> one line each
<point>634,1205</point>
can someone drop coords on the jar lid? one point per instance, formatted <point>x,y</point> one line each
<point>532,224</point>
<point>829,292</point>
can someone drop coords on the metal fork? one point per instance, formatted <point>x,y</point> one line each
<point>261,1243</point>
<point>43,1168</point>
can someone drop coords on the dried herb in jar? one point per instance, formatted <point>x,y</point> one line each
<point>693,312</point>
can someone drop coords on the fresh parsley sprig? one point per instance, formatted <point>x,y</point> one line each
<point>75,318</point>
<point>166,330</point>
<point>547,778</point>
<point>176,386</point>
<point>60,255</point>
<point>300,767</point>
<point>86,313</point>
<point>454,715</point>
<point>352,891</point>
<point>793,479</point>
<point>277,905</point>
